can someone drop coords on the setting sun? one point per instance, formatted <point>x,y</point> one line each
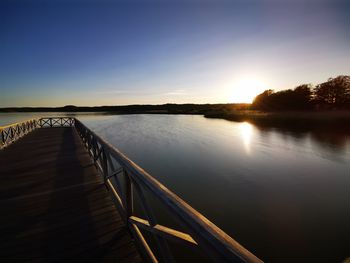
<point>245,90</point>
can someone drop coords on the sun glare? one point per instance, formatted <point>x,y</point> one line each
<point>245,90</point>
<point>246,134</point>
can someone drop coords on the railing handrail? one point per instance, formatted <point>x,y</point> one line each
<point>34,119</point>
<point>17,123</point>
<point>12,132</point>
<point>202,232</point>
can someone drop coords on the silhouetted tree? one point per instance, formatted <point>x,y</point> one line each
<point>262,101</point>
<point>334,93</point>
<point>297,99</point>
<point>303,97</point>
<point>282,100</point>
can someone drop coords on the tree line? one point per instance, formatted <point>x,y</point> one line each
<point>334,94</point>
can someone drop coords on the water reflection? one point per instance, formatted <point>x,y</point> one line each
<point>328,142</point>
<point>246,134</point>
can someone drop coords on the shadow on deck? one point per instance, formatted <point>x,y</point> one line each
<point>54,205</point>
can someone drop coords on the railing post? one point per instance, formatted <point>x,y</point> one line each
<point>3,137</point>
<point>129,202</point>
<point>94,148</point>
<point>104,164</point>
<point>90,140</point>
<point>50,122</point>
<point>12,135</point>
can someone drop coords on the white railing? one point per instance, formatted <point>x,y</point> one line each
<point>11,133</point>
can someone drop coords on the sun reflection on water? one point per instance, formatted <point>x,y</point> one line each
<point>246,134</point>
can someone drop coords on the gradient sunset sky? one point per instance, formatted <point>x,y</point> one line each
<point>55,53</point>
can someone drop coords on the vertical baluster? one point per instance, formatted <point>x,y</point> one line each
<point>129,201</point>
<point>104,164</point>
<point>88,143</point>
<point>95,147</point>
<point>7,135</point>
<point>11,133</point>
<point>92,149</point>
<point>3,137</point>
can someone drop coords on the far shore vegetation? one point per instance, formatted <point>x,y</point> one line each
<point>326,104</point>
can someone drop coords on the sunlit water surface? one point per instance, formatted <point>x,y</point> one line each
<point>283,195</point>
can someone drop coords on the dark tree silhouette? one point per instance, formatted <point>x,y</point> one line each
<point>303,96</point>
<point>334,93</point>
<point>262,101</point>
<point>297,99</point>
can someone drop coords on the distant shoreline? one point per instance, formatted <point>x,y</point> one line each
<point>137,108</point>
<point>339,120</point>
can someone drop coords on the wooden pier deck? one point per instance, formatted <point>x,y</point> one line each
<point>54,205</point>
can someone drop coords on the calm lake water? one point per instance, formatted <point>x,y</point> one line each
<point>284,195</point>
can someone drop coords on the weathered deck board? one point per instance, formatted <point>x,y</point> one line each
<point>54,206</point>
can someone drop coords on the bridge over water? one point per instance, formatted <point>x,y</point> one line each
<point>66,194</point>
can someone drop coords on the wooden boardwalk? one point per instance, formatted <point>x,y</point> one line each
<point>54,206</point>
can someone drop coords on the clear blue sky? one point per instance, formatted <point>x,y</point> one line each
<point>54,53</point>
